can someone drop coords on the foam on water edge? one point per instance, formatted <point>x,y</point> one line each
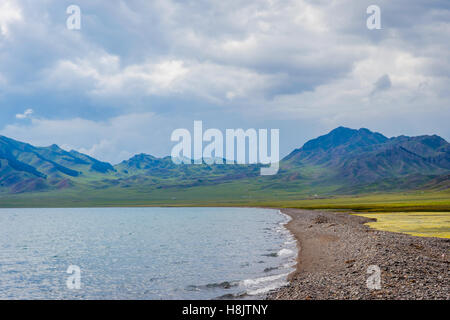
<point>263,285</point>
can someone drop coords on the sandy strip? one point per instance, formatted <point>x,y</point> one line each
<point>336,249</point>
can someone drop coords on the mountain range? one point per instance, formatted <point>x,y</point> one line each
<point>344,161</point>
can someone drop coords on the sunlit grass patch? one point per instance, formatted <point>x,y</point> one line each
<point>422,224</point>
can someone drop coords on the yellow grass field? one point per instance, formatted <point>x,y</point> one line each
<point>422,224</point>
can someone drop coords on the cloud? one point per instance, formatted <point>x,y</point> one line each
<point>290,64</point>
<point>9,14</point>
<point>103,76</point>
<point>25,115</point>
<point>382,84</point>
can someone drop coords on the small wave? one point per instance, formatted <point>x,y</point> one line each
<point>288,217</point>
<point>222,285</point>
<point>272,254</point>
<point>270,269</point>
<point>285,252</point>
<point>266,289</point>
<point>290,265</point>
<point>283,231</point>
<point>257,281</point>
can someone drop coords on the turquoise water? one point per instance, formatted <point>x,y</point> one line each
<point>143,253</point>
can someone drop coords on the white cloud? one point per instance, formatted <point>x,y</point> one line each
<point>104,76</point>
<point>27,113</point>
<point>9,13</point>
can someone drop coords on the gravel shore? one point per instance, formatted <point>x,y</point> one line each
<point>336,249</point>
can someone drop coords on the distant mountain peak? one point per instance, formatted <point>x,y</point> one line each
<point>144,155</point>
<point>55,147</point>
<point>342,129</point>
<point>141,157</point>
<point>345,136</point>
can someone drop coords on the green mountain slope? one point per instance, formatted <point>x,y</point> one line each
<point>344,161</point>
<point>25,168</point>
<point>361,157</point>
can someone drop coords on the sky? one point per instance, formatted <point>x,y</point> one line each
<point>137,70</point>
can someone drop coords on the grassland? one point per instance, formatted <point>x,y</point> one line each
<point>232,194</point>
<point>422,224</point>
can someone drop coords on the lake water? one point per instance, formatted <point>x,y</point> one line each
<point>144,253</point>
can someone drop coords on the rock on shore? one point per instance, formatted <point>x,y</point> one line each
<point>336,249</point>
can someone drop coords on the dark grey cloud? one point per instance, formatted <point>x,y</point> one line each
<point>382,84</point>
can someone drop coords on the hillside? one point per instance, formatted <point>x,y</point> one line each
<point>25,168</point>
<point>344,161</point>
<point>363,158</point>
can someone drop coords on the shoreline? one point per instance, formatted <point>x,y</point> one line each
<point>335,250</point>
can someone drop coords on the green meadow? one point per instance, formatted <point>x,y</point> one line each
<point>422,224</point>
<point>232,194</point>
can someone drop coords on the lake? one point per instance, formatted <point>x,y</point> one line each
<point>144,253</point>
